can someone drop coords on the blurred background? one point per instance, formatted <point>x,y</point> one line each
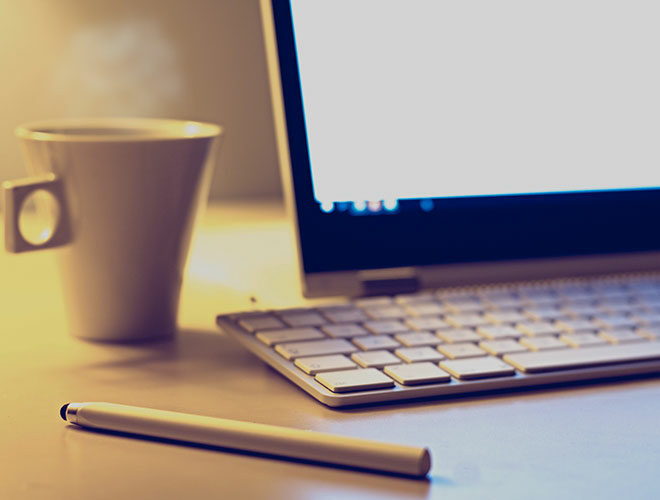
<point>193,59</point>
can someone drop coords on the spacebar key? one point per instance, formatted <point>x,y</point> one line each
<point>565,359</point>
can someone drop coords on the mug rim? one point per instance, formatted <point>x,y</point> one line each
<point>141,129</point>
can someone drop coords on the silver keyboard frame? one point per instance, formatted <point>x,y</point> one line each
<point>446,389</point>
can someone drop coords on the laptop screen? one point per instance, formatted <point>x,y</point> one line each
<point>471,131</point>
<point>412,100</point>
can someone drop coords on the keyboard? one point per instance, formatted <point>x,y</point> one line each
<point>449,342</point>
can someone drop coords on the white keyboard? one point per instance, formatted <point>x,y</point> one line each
<point>458,341</point>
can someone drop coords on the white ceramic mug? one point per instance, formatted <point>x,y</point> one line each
<point>128,191</point>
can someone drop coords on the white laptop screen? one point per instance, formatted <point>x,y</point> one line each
<point>438,99</point>
<point>436,132</point>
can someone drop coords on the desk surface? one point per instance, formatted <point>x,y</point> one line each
<point>580,442</point>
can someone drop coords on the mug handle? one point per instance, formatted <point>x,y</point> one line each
<point>14,195</point>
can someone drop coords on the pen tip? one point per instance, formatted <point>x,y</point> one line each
<point>63,411</point>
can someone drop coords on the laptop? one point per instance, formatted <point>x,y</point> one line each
<point>479,180</point>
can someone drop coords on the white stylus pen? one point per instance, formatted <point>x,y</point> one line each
<point>260,438</point>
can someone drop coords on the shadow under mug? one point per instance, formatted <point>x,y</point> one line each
<point>126,192</point>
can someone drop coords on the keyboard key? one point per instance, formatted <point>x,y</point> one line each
<point>575,291</point>
<point>614,302</point>
<point>465,305</point>
<point>271,337</point>
<point>375,359</point>
<point>610,304</point>
<point>621,336</point>
<point>544,314</point>
<point>505,317</point>
<point>426,309</point>
<point>649,300</point>
<point>303,319</point>
<point>611,289</point>
<point>318,364</point>
<point>636,309</point>
<point>499,332</point>
<point>544,361</point>
<point>459,351</point>
<point>647,318</point>
<point>505,305</point>
<point>620,309</point>
<point>426,323</point>
<point>467,369</point>
<point>502,300</point>
<point>293,350</point>
<point>390,312</point>
<point>417,339</point>
<point>534,292</point>
<point>417,373</point>
<point>348,330</point>
<point>459,335</point>
<point>650,332</point>
<point>501,347</point>
<point>578,302</point>
<point>615,322</point>
<point>385,327</point>
<point>583,311</point>
<point>543,342</point>
<point>376,342</point>
<point>351,315</point>
<point>537,329</point>
<point>539,297</point>
<point>644,285</point>
<point>576,325</point>
<point>466,320</point>
<point>263,322</point>
<point>415,354</point>
<point>581,339</point>
<point>355,380</point>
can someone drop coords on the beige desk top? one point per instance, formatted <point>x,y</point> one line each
<point>599,441</point>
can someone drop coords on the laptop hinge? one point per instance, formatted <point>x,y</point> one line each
<point>389,281</point>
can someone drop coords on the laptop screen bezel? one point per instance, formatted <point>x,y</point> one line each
<point>458,230</point>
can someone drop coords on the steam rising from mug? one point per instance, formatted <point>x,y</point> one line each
<point>122,68</point>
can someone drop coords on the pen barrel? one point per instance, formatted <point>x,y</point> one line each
<point>259,438</point>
